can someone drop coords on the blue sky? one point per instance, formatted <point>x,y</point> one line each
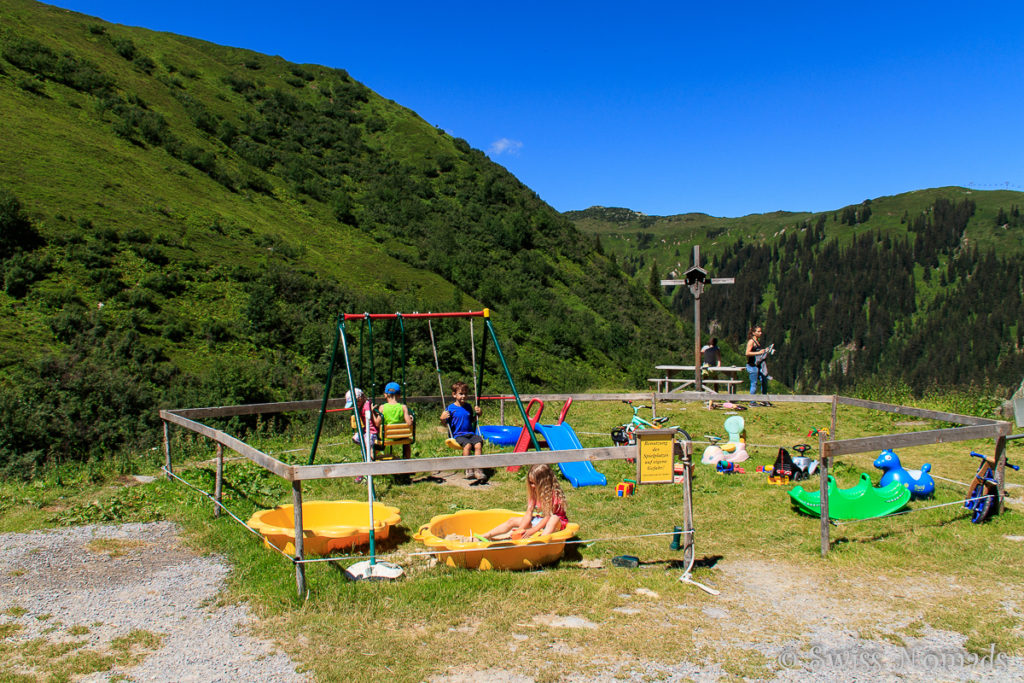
<point>673,107</point>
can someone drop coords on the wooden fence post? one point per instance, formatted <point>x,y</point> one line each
<point>1000,473</point>
<point>218,485</point>
<point>834,424</point>
<point>167,449</point>
<point>823,474</point>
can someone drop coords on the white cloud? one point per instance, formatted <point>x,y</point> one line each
<point>506,146</point>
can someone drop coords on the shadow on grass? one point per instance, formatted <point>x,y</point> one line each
<point>881,535</point>
<point>706,562</point>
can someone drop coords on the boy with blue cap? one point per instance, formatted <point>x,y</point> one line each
<point>393,412</point>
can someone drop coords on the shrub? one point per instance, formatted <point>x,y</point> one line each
<point>238,84</point>
<point>32,85</point>
<point>16,232</point>
<point>140,298</point>
<point>137,236</point>
<point>17,279</point>
<point>72,407</point>
<point>299,72</point>
<point>124,47</point>
<point>144,64</point>
<point>152,253</point>
<point>68,324</point>
<point>215,331</point>
<point>257,183</point>
<point>175,329</point>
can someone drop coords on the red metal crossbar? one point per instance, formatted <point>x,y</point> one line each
<point>378,316</point>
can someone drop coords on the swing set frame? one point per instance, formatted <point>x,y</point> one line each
<point>366,320</point>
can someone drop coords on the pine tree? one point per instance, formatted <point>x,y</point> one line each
<point>654,284</point>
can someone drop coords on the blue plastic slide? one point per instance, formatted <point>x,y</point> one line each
<point>563,438</point>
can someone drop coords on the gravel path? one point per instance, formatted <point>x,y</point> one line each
<point>93,584</point>
<point>90,585</point>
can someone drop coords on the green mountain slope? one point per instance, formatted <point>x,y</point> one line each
<point>180,224</point>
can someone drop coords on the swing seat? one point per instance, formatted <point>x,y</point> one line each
<point>397,434</point>
<point>392,435</point>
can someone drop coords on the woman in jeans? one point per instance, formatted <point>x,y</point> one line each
<point>755,348</point>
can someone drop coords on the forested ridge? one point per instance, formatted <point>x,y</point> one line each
<point>926,295</point>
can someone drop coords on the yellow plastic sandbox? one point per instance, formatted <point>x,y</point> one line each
<point>518,554</point>
<point>327,525</point>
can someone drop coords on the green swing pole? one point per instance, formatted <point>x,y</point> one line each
<point>327,389</point>
<point>508,374</point>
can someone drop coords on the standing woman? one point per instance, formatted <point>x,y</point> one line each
<point>754,349</point>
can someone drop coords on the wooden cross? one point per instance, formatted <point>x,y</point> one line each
<point>696,278</point>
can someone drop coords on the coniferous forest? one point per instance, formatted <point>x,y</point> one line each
<point>922,308</point>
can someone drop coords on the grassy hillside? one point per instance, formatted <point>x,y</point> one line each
<point>180,223</point>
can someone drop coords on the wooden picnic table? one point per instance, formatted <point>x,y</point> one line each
<point>678,377</point>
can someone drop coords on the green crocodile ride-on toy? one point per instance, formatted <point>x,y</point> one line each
<point>860,502</point>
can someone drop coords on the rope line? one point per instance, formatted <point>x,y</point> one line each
<point>225,509</point>
<point>951,481</point>
<point>907,512</point>
<point>491,548</point>
<point>1009,485</point>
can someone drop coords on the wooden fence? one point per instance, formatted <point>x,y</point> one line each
<point>830,447</point>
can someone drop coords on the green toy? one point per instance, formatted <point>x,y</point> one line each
<point>860,502</point>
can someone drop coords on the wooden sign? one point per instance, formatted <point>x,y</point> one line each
<point>655,464</point>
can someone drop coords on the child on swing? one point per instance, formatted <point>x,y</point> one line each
<point>393,413</point>
<point>361,404</point>
<point>545,508</point>
<point>461,418</point>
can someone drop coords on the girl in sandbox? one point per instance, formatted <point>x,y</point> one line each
<point>545,508</point>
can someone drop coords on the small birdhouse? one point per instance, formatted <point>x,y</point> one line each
<point>694,275</point>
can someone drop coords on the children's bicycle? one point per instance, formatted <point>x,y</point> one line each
<point>983,489</point>
<point>625,435</point>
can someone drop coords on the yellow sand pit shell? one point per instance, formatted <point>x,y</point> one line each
<point>327,525</point>
<point>520,554</point>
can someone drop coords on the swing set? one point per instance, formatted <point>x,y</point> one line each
<point>401,434</point>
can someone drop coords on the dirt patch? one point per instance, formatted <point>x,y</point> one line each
<point>457,479</point>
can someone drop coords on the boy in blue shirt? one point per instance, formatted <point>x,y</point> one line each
<point>461,418</point>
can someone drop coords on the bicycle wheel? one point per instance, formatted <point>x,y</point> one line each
<point>982,507</point>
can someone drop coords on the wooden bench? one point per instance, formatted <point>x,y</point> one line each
<point>662,384</point>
